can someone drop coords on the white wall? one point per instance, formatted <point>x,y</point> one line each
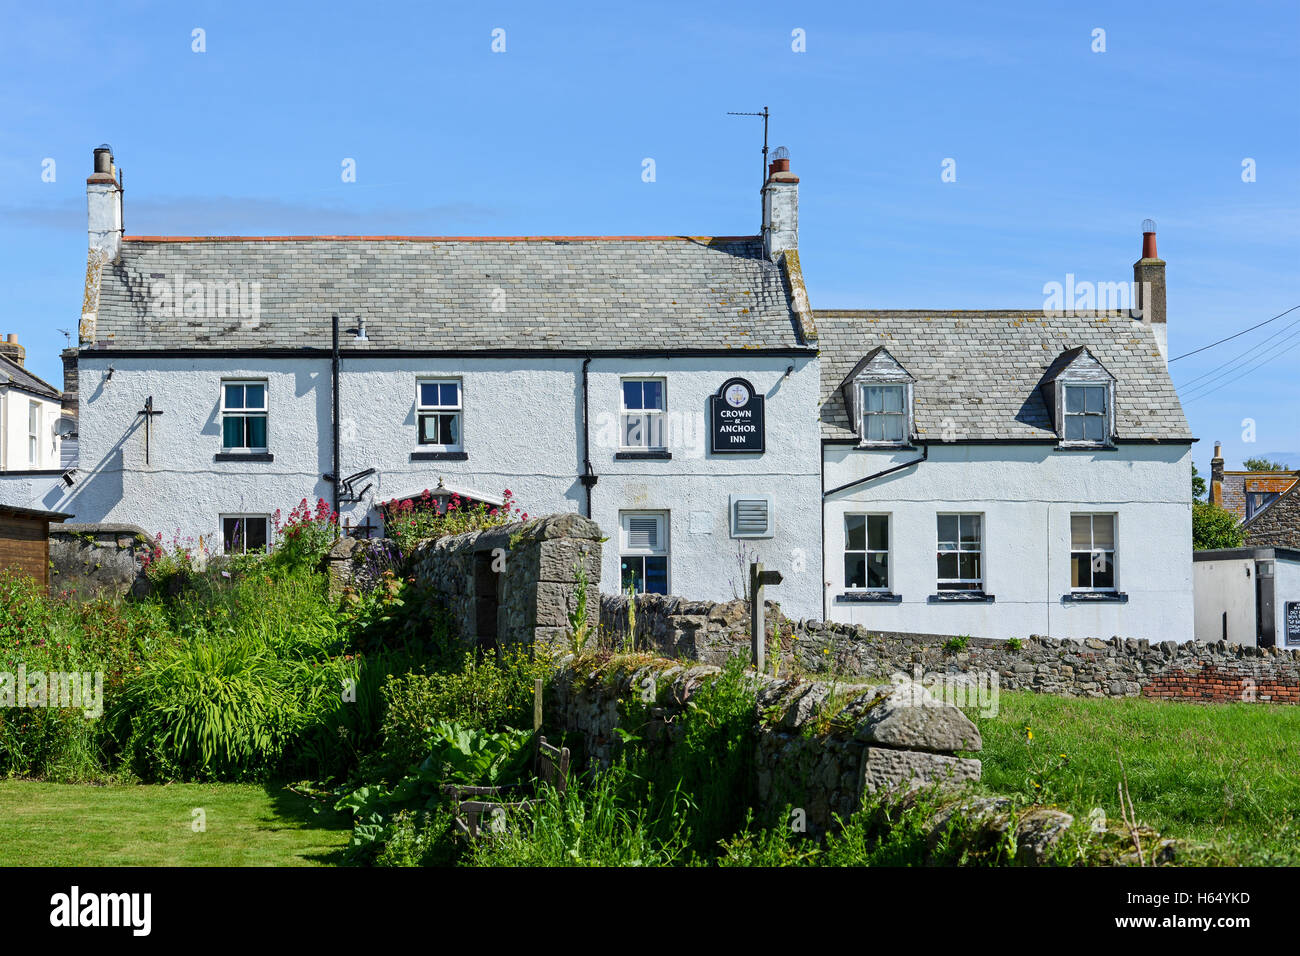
<point>521,430</point>
<point>1026,494</point>
<point>15,453</point>
<point>1225,585</point>
<point>1286,584</point>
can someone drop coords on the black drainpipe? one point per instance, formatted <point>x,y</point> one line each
<point>588,477</point>
<point>334,388</point>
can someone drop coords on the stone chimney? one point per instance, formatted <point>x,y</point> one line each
<point>1149,280</point>
<point>104,205</point>
<point>780,206</point>
<point>71,391</point>
<point>11,350</point>
<point>1216,476</point>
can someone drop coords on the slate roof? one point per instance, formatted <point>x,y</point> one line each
<point>13,374</point>
<point>668,292</point>
<point>982,370</point>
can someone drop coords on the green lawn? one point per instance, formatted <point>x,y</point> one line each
<point>1227,775</point>
<point>51,824</point>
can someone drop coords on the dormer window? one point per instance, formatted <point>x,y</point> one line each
<point>884,414</point>
<point>1079,394</point>
<point>878,396</point>
<point>1085,413</point>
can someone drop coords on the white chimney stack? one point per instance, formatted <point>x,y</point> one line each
<point>780,206</point>
<point>104,206</point>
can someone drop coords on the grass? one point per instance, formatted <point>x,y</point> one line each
<point>1224,775</point>
<point>50,824</point>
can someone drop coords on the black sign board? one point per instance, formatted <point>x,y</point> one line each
<point>736,419</point>
<point>1292,624</point>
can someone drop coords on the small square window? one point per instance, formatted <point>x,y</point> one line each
<point>1086,414</point>
<point>866,552</point>
<point>243,416</point>
<point>644,402</point>
<point>643,551</point>
<point>1092,552</point>
<point>243,533</point>
<point>439,413</point>
<point>884,414</point>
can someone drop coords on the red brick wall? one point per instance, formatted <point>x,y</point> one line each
<point>1220,685</point>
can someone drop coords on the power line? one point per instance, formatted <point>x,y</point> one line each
<point>1261,362</point>
<point>1228,366</point>
<point>1235,335</point>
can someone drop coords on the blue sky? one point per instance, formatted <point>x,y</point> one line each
<point>1060,151</point>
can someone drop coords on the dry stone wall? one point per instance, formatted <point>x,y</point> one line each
<point>819,747</point>
<point>1118,667</point>
<point>98,560</point>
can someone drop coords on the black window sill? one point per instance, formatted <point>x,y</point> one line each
<point>886,446</point>
<point>868,597</point>
<point>243,456</point>
<point>439,456</point>
<point>643,456</point>
<point>960,597</point>
<point>1083,446</point>
<point>1095,597</point>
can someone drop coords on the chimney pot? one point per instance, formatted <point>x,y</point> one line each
<point>104,159</point>
<point>12,337</point>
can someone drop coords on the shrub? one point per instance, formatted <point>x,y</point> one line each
<point>24,608</point>
<point>306,537</point>
<point>485,694</point>
<point>1214,527</point>
<point>408,522</point>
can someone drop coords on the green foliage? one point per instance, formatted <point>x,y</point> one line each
<point>1214,527</point>
<point>475,757</point>
<point>1014,643</point>
<point>306,536</point>
<point>955,645</point>
<point>488,694</point>
<point>711,761</point>
<point>410,521</point>
<point>1198,485</point>
<point>579,623</point>
<point>24,609</point>
<point>1263,464</point>
<point>593,823</point>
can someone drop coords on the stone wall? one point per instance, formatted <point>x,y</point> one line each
<point>819,747</point>
<point>509,586</point>
<point>1278,525</point>
<point>98,560</point>
<point>1119,667</point>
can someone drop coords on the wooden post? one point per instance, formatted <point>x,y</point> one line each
<point>758,578</point>
<point>537,704</point>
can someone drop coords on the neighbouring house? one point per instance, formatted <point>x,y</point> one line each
<point>1007,473</point>
<point>1246,493</point>
<point>1248,596</point>
<point>25,540</point>
<point>32,423</point>
<point>665,386</point>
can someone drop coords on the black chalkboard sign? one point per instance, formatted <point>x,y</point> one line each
<point>1292,624</point>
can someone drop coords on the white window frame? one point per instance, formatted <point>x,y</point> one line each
<point>246,413</point>
<point>887,551</point>
<point>34,433</point>
<point>222,519</point>
<point>960,585</point>
<point>649,413</point>
<point>663,550</point>
<point>1113,551</point>
<point>865,413</point>
<point>1105,414</point>
<point>422,410</point>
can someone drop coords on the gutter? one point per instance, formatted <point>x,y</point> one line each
<point>925,454</point>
